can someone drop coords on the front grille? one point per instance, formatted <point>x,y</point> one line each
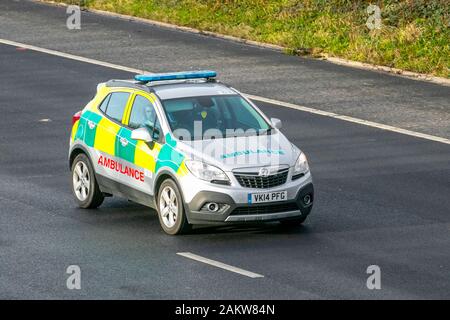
<point>265,209</point>
<point>255,181</point>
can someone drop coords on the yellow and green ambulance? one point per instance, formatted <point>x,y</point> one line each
<point>194,149</point>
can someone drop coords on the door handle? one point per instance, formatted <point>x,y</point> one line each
<point>123,142</point>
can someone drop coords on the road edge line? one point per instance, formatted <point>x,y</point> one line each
<point>334,60</point>
<point>351,119</point>
<point>253,97</point>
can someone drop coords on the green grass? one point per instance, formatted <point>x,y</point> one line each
<point>414,34</point>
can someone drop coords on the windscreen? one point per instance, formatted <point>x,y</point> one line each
<point>207,117</point>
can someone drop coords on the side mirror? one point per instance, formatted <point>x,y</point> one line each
<point>276,123</point>
<point>141,134</point>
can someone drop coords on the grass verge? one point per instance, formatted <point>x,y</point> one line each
<point>413,34</point>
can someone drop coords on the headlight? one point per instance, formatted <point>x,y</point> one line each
<point>205,171</point>
<point>301,166</point>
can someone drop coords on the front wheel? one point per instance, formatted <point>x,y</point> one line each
<point>84,186</point>
<point>172,216</point>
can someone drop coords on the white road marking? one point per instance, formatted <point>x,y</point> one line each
<point>340,61</point>
<point>258,98</point>
<point>351,119</point>
<point>220,265</point>
<point>69,56</point>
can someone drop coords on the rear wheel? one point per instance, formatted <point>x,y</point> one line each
<point>84,185</point>
<point>171,213</point>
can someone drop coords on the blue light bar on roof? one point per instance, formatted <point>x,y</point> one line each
<point>175,76</point>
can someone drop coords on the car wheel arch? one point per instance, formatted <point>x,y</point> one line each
<point>161,177</point>
<point>75,152</point>
<point>78,150</point>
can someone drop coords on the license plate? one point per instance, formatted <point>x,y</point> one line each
<point>267,197</point>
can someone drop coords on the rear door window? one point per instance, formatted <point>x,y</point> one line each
<point>116,105</point>
<point>104,104</point>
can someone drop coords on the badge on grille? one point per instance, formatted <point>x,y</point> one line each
<point>264,172</point>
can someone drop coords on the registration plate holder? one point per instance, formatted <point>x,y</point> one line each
<point>264,197</point>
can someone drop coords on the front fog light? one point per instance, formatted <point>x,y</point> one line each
<point>214,207</point>
<point>307,199</point>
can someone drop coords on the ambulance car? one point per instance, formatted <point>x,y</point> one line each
<point>194,149</point>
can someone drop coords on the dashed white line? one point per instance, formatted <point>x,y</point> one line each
<point>220,265</point>
<point>258,98</point>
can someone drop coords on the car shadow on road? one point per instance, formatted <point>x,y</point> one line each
<point>121,212</point>
<point>269,228</point>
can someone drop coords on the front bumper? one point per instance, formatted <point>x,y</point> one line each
<point>234,206</point>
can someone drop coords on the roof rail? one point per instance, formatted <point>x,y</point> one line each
<point>128,84</point>
<point>183,75</point>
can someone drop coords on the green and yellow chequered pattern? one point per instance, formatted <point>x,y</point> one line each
<point>104,135</point>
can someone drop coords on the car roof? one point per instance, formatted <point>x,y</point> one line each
<point>177,89</point>
<point>190,89</point>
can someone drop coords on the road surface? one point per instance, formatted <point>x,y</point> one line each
<point>382,198</point>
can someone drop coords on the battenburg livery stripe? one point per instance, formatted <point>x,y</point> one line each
<point>92,121</point>
<point>125,146</point>
<point>110,138</point>
<point>168,156</point>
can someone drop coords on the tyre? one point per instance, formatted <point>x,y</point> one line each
<point>294,222</point>
<point>171,213</point>
<point>84,185</point>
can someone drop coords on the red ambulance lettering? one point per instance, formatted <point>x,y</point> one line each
<point>120,168</point>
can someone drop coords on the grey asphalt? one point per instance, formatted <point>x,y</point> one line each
<point>368,95</point>
<point>382,199</point>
